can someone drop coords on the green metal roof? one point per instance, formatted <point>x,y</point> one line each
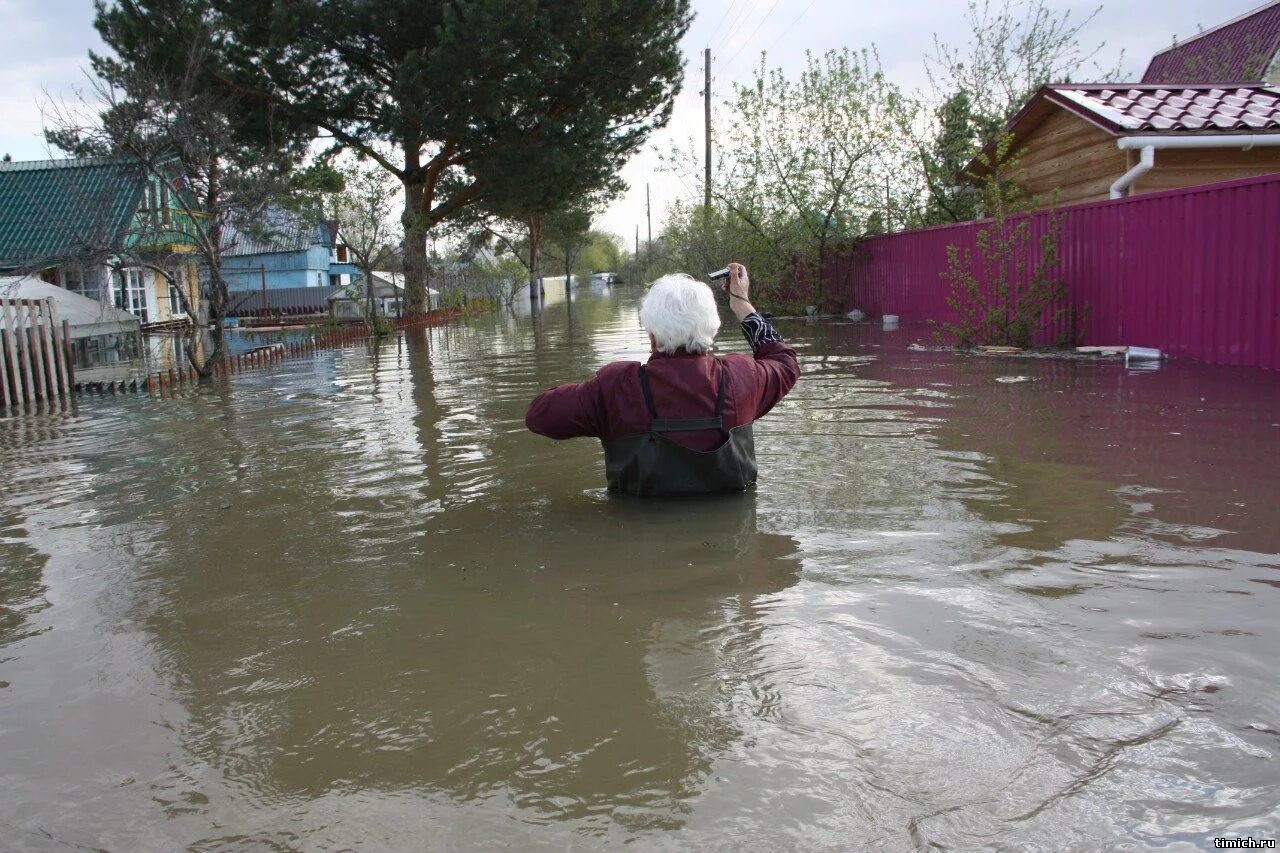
<point>55,210</point>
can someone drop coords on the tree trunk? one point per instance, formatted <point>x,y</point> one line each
<point>218,295</point>
<point>415,233</point>
<point>415,252</point>
<point>535,255</point>
<point>370,302</point>
<point>218,299</point>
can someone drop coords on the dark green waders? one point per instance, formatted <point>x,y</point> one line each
<point>649,464</point>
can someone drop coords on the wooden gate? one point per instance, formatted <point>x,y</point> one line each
<point>35,353</point>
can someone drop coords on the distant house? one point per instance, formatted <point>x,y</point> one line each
<point>1245,49</point>
<point>388,291</point>
<point>100,228</point>
<point>1098,141</point>
<point>287,251</point>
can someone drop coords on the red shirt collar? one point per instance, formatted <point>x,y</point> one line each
<point>679,353</point>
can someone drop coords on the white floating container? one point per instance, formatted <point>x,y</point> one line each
<point>1142,354</point>
<point>890,321</point>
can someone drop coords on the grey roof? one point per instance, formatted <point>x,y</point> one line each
<point>279,230</point>
<point>54,210</point>
<point>281,300</point>
<point>87,317</point>
<point>383,288</point>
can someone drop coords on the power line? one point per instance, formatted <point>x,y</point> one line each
<point>738,21</point>
<point>753,32</point>
<point>792,24</point>
<point>727,10</point>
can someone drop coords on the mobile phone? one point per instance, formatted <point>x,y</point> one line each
<point>719,275</point>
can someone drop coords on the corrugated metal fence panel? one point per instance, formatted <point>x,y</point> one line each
<point>1194,272</point>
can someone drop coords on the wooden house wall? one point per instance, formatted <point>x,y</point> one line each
<point>1072,156</point>
<point>1188,168</point>
<point>1081,161</point>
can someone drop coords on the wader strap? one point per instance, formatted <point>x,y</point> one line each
<point>720,395</point>
<point>648,395</point>
<point>684,424</point>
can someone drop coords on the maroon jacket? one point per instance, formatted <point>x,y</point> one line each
<point>684,386</point>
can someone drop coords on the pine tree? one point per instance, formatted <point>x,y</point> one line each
<point>491,101</point>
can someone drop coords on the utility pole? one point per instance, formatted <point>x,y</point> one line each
<point>706,108</point>
<point>637,244</point>
<point>648,215</point>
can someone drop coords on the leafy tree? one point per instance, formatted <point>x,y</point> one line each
<point>696,241</point>
<point>953,195</point>
<point>568,234</point>
<point>603,253</point>
<point>481,100</point>
<point>498,281</point>
<point>1014,47</point>
<point>804,163</point>
<point>1003,292</point>
<point>364,211</point>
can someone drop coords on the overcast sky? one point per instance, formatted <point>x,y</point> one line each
<point>44,46</point>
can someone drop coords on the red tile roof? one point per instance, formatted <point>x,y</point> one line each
<point>1241,49</point>
<point>1125,109</point>
<point>1133,109</point>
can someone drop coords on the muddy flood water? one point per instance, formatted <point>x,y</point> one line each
<point>350,603</point>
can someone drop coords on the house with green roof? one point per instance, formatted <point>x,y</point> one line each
<point>102,228</point>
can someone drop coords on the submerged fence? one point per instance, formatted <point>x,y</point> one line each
<point>31,372</point>
<point>35,362</point>
<point>1194,272</point>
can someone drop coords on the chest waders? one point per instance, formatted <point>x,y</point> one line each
<point>649,464</point>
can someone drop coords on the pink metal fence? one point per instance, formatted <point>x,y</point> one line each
<point>1194,272</point>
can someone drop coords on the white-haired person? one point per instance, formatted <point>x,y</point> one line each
<point>679,424</point>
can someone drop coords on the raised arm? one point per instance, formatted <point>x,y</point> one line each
<point>777,369</point>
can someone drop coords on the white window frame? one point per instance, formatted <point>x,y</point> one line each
<point>72,279</point>
<point>132,293</point>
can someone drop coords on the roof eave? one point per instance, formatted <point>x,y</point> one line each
<point>1031,116</point>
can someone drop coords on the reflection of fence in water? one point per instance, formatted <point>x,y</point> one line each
<point>34,355</point>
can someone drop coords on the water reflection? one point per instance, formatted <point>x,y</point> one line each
<point>576,683</point>
<point>350,601</point>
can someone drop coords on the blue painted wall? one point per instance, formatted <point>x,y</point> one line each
<point>310,268</point>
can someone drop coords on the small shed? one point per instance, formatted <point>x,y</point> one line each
<point>102,337</point>
<point>349,302</point>
<point>1098,141</point>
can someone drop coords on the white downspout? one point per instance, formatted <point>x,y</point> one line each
<point>1148,145</point>
<point>1146,159</point>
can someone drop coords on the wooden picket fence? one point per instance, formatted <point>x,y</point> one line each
<point>25,360</point>
<point>35,353</point>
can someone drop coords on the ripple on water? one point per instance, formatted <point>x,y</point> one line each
<point>349,601</point>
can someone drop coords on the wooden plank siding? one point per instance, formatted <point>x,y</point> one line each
<point>1070,155</point>
<point>1080,161</point>
<point>1189,168</point>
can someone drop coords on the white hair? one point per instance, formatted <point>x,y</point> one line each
<point>680,311</point>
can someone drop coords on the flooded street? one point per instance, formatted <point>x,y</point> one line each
<point>351,603</point>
